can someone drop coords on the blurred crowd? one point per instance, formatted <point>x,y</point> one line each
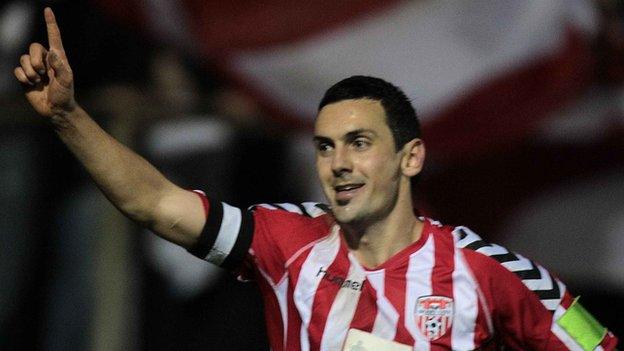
<point>75,275</point>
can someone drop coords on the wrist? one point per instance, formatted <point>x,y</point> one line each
<point>65,118</point>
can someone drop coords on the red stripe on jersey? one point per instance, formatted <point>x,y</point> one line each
<point>293,336</point>
<point>394,289</point>
<point>566,300</point>
<point>366,310</point>
<point>325,296</point>
<point>609,342</point>
<point>272,315</point>
<point>482,332</point>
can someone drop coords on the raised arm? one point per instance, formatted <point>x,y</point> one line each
<point>132,184</point>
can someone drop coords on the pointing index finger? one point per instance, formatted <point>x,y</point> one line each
<point>54,34</point>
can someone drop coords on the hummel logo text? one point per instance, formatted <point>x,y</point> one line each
<point>340,281</point>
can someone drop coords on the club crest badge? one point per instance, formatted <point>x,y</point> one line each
<point>434,316</point>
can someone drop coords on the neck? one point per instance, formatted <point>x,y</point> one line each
<point>374,243</point>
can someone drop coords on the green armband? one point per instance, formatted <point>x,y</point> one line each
<point>581,326</point>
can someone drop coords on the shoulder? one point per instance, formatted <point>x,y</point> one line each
<point>499,262</point>
<point>292,223</point>
<point>283,231</point>
<point>291,215</point>
<point>293,210</point>
<point>494,254</point>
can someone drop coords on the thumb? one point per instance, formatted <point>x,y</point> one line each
<point>62,71</point>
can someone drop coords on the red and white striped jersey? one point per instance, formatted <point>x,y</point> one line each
<point>449,290</point>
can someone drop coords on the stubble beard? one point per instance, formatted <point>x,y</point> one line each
<point>364,218</point>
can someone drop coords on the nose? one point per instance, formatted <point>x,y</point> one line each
<point>341,162</point>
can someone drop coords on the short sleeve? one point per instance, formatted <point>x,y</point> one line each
<point>261,239</point>
<point>281,233</point>
<point>531,308</point>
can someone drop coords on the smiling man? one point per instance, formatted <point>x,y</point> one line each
<point>364,273</point>
<point>366,171</point>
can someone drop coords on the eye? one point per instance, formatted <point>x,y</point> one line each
<point>323,147</point>
<point>361,143</point>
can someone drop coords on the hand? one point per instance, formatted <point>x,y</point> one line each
<point>45,74</point>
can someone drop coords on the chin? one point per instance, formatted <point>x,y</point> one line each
<point>341,214</point>
<point>345,215</point>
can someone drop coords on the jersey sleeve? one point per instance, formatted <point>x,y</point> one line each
<point>282,232</point>
<point>260,239</point>
<point>529,307</point>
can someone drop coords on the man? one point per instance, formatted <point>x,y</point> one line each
<point>364,273</point>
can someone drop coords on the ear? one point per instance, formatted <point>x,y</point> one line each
<point>413,157</point>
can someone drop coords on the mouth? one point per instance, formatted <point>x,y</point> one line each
<point>346,192</point>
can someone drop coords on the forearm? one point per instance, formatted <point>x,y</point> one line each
<point>132,184</point>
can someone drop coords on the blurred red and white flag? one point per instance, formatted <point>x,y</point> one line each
<point>481,72</point>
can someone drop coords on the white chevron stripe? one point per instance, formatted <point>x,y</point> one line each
<point>551,304</point>
<point>290,207</point>
<point>522,264</point>
<point>544,283</point>
<point>469,239</point>
<point>493,249</point>
<point>312,209</point>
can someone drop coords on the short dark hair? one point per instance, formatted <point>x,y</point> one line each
<point>400,114</point>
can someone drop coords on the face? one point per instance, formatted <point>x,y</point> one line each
<point>357,163</point>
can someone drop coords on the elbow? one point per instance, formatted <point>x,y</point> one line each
<point>142,214</point>
<point>175,215</point>
<point>140,208</point>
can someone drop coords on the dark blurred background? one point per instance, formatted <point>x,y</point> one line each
<point>522,106</point>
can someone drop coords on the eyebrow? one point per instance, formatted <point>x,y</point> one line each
<point>348,136</point>
<point>353,134</point>
<point>320,139</point>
